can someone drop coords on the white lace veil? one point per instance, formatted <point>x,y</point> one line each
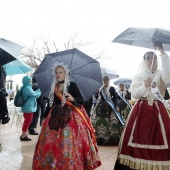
<point>143,72</point>
<point>54,82</point>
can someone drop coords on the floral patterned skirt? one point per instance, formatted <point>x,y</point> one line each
<point>65,143</point>
<point>107,126</point>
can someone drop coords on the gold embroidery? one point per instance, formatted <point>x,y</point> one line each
<point>136,163</point>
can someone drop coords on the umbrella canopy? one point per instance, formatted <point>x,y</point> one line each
<point>16,67</point>
<point>9,51</point>
<point>109,73</point>
<point>126,81</point>
<point>144,37</point>
<point>168,85</point>
<point>84,71</point>
<point>9,91</point>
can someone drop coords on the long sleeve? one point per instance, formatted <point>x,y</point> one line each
<point>31,93</point>
<point>128,96</point>
<point>138,88</point>
<point>113,95</point>
<point>74,91</point>
<point>47,109</point>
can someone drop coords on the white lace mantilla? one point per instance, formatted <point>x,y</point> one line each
<point>66,82</point>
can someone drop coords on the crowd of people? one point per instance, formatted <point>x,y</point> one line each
<point>72,128</point>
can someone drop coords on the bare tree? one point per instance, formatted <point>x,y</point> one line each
<point>72,43</point>
<point>34,56</point>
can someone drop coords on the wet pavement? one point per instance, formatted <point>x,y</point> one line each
<point>17,155</point>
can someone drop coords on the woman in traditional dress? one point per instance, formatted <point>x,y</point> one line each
<point>123,101</point>
<point>104,120</point>
<point>145,141</point>
<point>67,139</point>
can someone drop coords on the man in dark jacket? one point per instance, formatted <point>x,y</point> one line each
<point>3,102</point>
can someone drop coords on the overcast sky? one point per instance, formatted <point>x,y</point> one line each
<point>95,21</point>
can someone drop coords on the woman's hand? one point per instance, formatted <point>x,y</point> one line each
<point>117,108</point>
<point>159,47</point>
<point>148,82</point>
<point>69,97</point>
<point>42,123</point>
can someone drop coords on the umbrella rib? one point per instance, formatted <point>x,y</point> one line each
<point>72,58</point>
<point>144,36</point>
<point>86,77</point>
<point>83,66</point>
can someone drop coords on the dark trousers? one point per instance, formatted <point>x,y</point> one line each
<point>3,106</point>
<point>36,115</point>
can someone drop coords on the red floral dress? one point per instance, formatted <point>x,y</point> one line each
<point>67,140</point>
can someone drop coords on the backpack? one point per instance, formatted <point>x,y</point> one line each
<point>19,100</point>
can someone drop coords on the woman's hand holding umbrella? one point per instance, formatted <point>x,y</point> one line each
<point>159,47</point>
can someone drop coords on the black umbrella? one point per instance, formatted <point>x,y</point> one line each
<point>9,51</point>
<point>84,71</point>
<point>144,37</point>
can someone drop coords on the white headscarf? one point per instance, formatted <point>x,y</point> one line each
<point>143,72</point>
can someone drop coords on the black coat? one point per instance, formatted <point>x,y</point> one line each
<point>127,97</point>
<point>113,95</point>
<point>74,91</point>
<point>2,81</point>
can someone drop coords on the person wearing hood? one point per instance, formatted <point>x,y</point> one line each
<point>30,105</point>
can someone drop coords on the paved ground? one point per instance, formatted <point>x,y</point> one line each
<point>17,155</point>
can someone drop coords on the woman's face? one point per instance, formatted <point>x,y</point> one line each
<point>60,73</point>
<point>105,81</point>
<point>148,61</point>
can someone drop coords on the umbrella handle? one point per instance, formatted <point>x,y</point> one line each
<point>153,59</point>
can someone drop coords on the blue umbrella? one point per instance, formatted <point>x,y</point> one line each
<point>84,71</point>
<point>9,51</point>
<point>16,67</point>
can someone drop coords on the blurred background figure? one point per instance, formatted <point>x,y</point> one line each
<point>104,120</point>
<point>39,113</point>
<point>30,105</point>
<point>123,97</point>
<point>4,117</point>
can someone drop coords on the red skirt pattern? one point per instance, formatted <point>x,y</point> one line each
<point>68,148</point>
<point>145,142</point>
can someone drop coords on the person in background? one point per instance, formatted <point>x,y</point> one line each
<point>36,115</point>
<point>123,98</point>
<point>30,106</point>
<point>104,120</point>
<point>4,116</point>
